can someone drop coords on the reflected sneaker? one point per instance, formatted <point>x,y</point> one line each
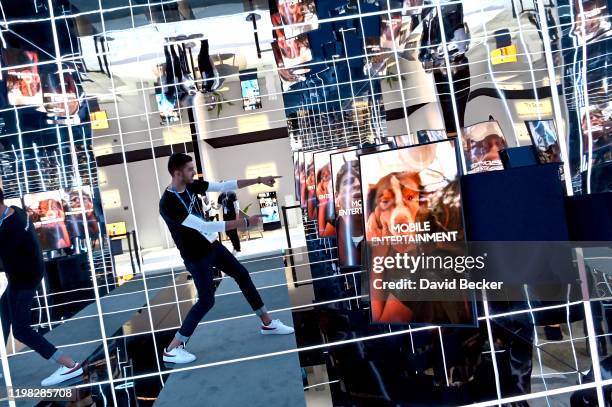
<point>62,374</point>
<point>276,327</point>
<point>178,355</point>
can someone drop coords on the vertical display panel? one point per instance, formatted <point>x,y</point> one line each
<point>311,186</point>
<point>46,211</point>
<point>23,81</point>
<point>481,145</point>
<point>268,205</point>
<point>348,204</point>
<point>544,138</point>
<point>324,186</point>
<point>73,211</point>
<point>412,208</point>
<point>291,12</point>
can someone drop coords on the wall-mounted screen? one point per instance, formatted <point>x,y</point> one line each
<point>544,138</point>
<point>55,100</point>
<point>167,110</point>
<point>301,12</point>
<point>268,205</point>
<point>23,83</point>
<point>46,211</point>
<point>74,212</point>
<point>481,145</point>
<point>251,94</point>
<point>295,51</point>
<point>600,133</point>
<point>288,76</point>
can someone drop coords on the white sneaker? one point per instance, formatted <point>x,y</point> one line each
<point>276,327</point>
<point>62,374</point>
<point>178,355</point>
<point>234,252</point>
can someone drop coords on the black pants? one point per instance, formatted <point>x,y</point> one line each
<point>202,271</point>
<point>234,238</point>
<point>15,310</point>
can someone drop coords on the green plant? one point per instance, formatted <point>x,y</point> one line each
<point>246,208</point>
<point>220,101</point>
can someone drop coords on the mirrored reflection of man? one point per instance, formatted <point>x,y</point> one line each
<point>24,267</point>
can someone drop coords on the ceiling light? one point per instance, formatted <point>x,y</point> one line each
<point>252,16</point>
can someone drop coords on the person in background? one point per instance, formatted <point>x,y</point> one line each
<point>24,267</point>
<point>210,208</point>
<point>231,208</point>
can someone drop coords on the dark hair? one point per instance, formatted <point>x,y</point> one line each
<point>176,162</point>
<point>1,196</point>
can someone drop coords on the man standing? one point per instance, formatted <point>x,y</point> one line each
<point>231,208</point>
<point>196,240</point>
<point>23,263</point>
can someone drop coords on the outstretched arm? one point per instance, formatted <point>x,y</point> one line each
<point>227,186</point>
<point>204,227</point>
<point>269,181</point>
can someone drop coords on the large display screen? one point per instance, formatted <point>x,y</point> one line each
<point>288,76</point>
<point>601,132</point>
<point>47,214</point>
<point>74,212</point>
<point>23,82</point>
<point>268,205</point>
<point>167,110</point>
<point>593,17</point>
<point>55,101</point>
<point>324,186</point>
<point>544,138</point>
<point>295,51</point>
<point>481,145</point>
<point>302,12</point>
<point>348,205</point>
<point>411,207</point>
<point>251,94</point>
<point>311,186</point>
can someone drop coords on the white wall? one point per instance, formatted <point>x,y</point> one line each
<point>145,195</point>
<point>271,157</point>
<point>233,119</point>
<point>138,130</point>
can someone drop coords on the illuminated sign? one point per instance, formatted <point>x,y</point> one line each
<point>504,55</point>
<point>533,108</point>
<point>99,120</point>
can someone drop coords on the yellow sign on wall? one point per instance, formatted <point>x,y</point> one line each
<point>99,120</point>
<point>504,55</point>
<point>529,109</point>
